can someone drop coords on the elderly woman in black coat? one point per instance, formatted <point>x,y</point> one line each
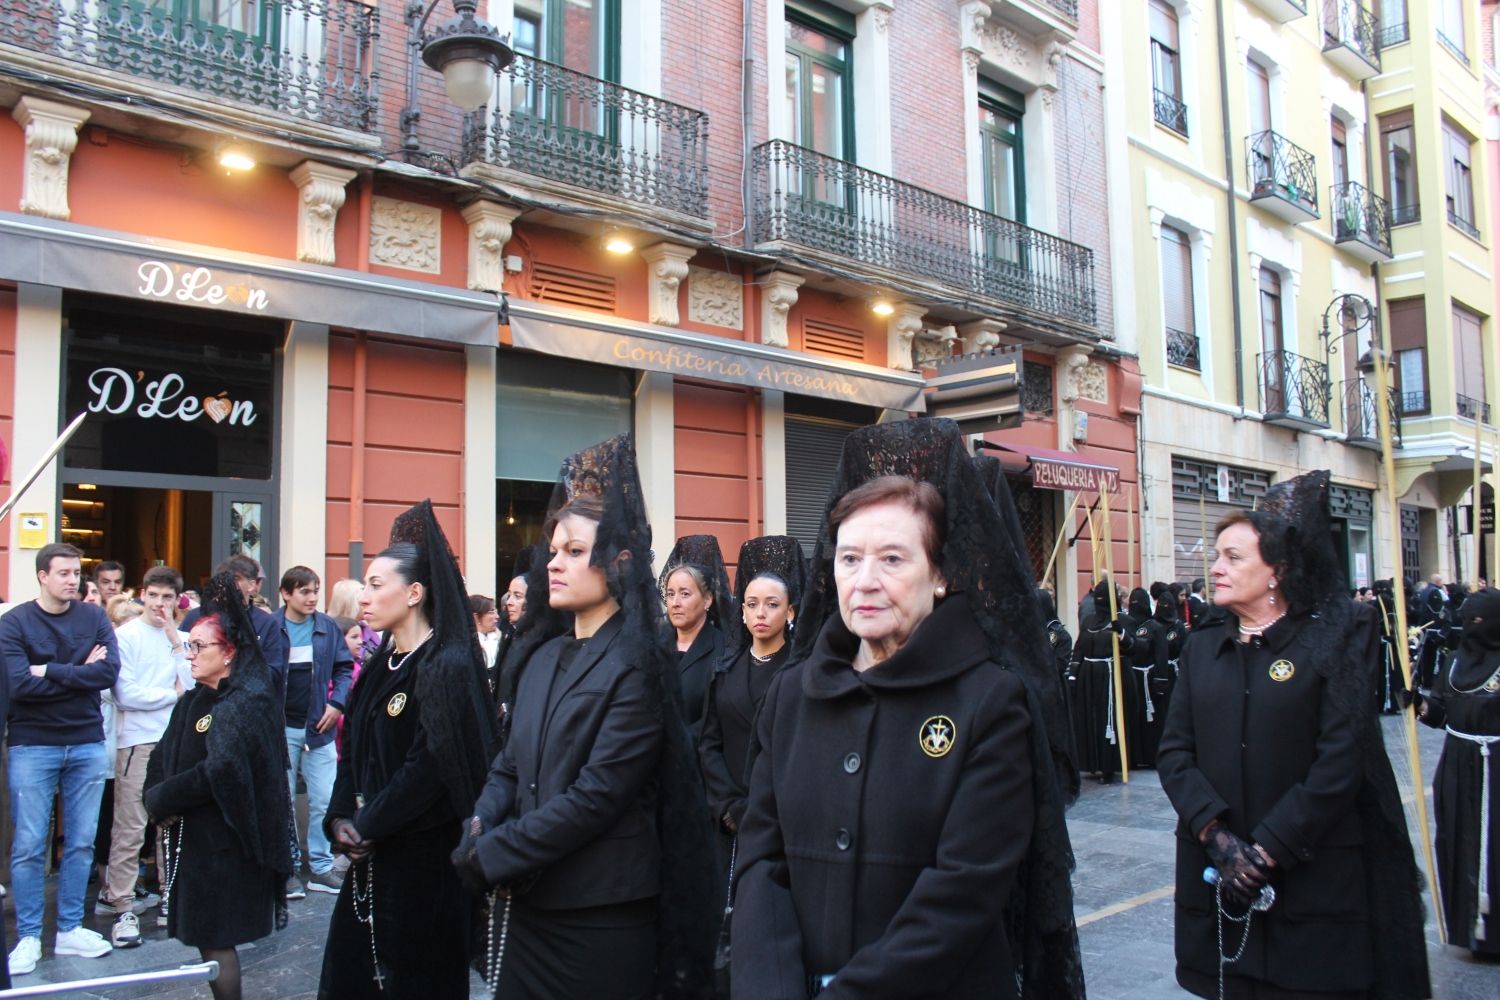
<point>905,779</point>
<point>1276,768</point>
<point>217,787</point>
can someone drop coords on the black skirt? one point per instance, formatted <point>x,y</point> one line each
<point>1239,988</point>
<point>423,918</point>
<point>600,953</point>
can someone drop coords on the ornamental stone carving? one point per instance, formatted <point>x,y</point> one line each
<point>1093,383</point>
<point>980,335</point>
<point>51,135</point>
<point>716,298</point>
<point>882,18</point>
<point>320,196</point>
<point>405,234</point>
<point>1070,363</point>
<point>901,331</point>
<point>777,298</point>
<point>489,230</point>
<point>666,266</point>
<point>935,344</point>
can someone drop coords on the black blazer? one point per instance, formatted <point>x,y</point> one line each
<point>695,671</point>
<point>571,801</point>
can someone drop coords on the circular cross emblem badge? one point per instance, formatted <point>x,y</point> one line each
<point>937,736</point>
<point>1282,670</point>
<point>203,723</point>
<point>397,703</point>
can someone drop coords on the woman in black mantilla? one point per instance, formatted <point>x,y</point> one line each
<point>905,832</point>
<point>770,575</point>
<point>591,830</point>
<point>695,587</point>
<point>217,787</point>
<point>419,729</point>
<point>1278,773</point>
<point>1465,700</point>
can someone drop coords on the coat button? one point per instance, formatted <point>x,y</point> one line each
<point>842,840</point>
<point>532,787</point>
<point>851,763</point>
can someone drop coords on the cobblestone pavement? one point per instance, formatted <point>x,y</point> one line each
<point>1122,835</point>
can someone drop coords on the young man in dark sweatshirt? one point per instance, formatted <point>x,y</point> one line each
<point>58,654</point>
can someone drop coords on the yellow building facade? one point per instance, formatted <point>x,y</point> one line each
<point>1261,255</point>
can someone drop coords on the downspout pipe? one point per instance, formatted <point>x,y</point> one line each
<point>1234,224</point>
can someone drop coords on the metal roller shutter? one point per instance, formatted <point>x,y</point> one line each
<point>812,457</point>
<point>1188,539</point>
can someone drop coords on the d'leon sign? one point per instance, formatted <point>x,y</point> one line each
<point>1055,475</point>
<point>115,391</point>
<point>197,286</point>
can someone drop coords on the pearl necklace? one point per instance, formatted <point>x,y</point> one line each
<point>1262,627</point>
<point>393,665</point>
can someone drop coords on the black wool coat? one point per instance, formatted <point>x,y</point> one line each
<point>1254,739</point>
<point>569,808</point>
<point>695,671</point>
<point>889,813</point>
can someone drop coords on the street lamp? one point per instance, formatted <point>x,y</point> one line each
<point>466,49</point>
<point>1355,313</point>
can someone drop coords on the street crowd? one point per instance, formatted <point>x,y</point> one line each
<point>845,775</point>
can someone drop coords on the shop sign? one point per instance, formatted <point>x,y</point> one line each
<point>727,368</point>
<point>1054,475</point>
<point>165,398</point>
<point>198,286</point>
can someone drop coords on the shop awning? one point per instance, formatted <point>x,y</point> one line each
<point>63,255</point>
<point>610,340</point>
<point>1063,470</point>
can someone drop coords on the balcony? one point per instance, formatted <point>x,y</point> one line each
<point>588,140</point>
<point>1361,222</point>
<point>1414,402</point>
<point>1470,408</point>
<point>1395,34</point>
<point>825,208</point>
<point>308,60</point>
<point>1463,224</point>
<point>1294,391</point>
<point>1454,48</point>
<point>1405,215</point>
<point>1170,112</point>
<point>1283,177</point>
<point>1038,18</point>
<point>1351,38</point>
<point>1281,11</point>
<point>1361,420</point>
<point>1182,349</point>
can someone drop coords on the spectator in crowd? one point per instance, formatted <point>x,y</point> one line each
<point>487,624</point>
<point>91,592</point>
<point>122,609</point>
<point>59,654</point>
<point>320,672</point>
<point>110,576</point>
<point>153,674</point>
<point>268,630</point>
<point>343,602</point>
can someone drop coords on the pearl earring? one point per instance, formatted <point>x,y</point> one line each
<point>1273,593</point>
<point>940,592</point>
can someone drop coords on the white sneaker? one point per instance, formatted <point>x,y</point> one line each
<point>125,932</point>
<point>23,957</point>
<point>82,942</point>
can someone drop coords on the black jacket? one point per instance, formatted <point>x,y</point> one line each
<point>1254,738</point>
<point>889,813</point>
<point>694,671</point>
<point>569,808</point>
<point>734,699</point>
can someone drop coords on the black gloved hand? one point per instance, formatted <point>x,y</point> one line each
<point>1242,873</point>
<point>1121,624</point>
<point>465,858</point>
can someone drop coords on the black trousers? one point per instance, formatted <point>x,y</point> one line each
<point>1239,988</point>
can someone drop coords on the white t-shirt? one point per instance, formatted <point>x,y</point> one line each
<point>145,692</point>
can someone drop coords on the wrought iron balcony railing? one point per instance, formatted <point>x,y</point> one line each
<point>1346,24</point>
<point>1463,224</point>
<point>1182,349</point>
<point>1361,420</point>
<point>1067,8</point>
<point>1294,391</point>
<point>1282,170</point>
<point>1470,408</point>
<point>1395,34</point>
<point>1414,401</point>
<point>1170,112</point>
<point>808,200</point>
<point>311,59</point>
<point>1453,47</point>
<point>583,132</point>
<point>1361,215</point>
<point>1405,215</point>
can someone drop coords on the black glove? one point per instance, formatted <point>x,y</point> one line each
<point>465,858</point>
<point>1121,624</point>
<point>1242,874</point>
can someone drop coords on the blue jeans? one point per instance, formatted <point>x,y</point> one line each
<point>318,770</point>
<point>37,773</point>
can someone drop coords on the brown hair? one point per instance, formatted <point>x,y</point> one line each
<point>699,580</point>
<point>55,550</point>
<point>920,497</point>
<point>162,576</point>
<point>585,505</point>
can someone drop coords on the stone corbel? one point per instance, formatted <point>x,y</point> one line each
<point>778,296</point>
<point>1070,364</point>
<point>980,335</point>
<point>321,195</point>
<point>901,330</point>
<point>936,344</point>
<point>1157,217</point>
<point>490,226</point>
<point>667,265</point>
<point>883,10</point>
<point>51,131</point>
<point>972,20</point>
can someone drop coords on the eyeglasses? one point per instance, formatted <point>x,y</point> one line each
<point>194,648</point>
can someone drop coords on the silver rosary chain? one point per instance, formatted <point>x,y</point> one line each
<point>363,902</point>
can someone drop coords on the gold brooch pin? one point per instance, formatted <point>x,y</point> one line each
<point>204,723</point>
<point>938,734</point>
<point>1282,670</point>
<point>397,703</point>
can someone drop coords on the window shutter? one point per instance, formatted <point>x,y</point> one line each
<point>813,448</point>
<point>1177,279</point>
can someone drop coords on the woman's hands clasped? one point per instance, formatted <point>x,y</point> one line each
<point>1243,868</point>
